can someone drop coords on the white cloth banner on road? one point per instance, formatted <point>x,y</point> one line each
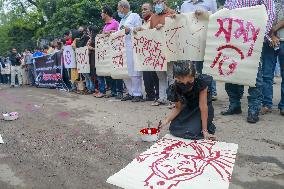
<point>234,44</point>
<point>178,163</point>
<point>82,59</point>
<point>103,55</point>
<point>69,57</point>
<point>149,50</point>
<point>186,37</point>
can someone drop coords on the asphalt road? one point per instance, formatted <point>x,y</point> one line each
<point>65,140</point>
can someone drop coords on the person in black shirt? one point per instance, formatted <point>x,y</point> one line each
<point>15,59</point>
<point>192,117</point>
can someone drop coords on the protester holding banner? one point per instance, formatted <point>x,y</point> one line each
<point>15,59</point>
<point>116,85</point>
<point>234,91</point>
<point>6,70</point>
<point>158,21</point>
<point>274,51</point>
<point>200,7</point>
<point>82,41</point>
<point>92,32</point>
<point>68,38</point>
<point>151,80</point>
<point>30,66</point>
<point>128,22</point>
<point>112,25</point>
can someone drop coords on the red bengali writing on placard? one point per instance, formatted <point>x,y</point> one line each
<point>245,32</point>
<point>151,50</point>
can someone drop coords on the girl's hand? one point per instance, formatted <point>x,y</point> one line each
<point>163,124</point>
<point>208,136</point>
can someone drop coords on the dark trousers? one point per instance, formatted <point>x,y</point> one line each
<point>31,73</point>
<point>66,78</point>
<point>151,83</point>
<point>116,86</point>
<point>235,92</point>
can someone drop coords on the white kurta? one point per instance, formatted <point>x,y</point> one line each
<point>132,20</point>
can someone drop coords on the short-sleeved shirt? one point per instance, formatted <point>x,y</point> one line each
<point>160,18</point>
<point>112,25</point>
<point>279,9</point>
<point>191,98</point>
<point>205,5</point>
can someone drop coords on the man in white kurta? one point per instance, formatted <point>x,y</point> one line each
<point>128,22</point>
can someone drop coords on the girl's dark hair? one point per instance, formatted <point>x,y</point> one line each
<point>184,68</point>
<point>107,10</point>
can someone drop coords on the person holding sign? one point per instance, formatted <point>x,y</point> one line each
<point>192,117</point>
<point>151,80</point>
<point>158,21</point>
<point>201,7</point>
<point>128,22</point>
<point>276,49</point>
<point>234,91</point>
<point>111,25</point>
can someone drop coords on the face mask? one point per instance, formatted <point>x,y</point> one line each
<point>121,15</point>
<point>185,87</point>
<point>159,8</point>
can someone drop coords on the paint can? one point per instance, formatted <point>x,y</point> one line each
<point>149,134</point>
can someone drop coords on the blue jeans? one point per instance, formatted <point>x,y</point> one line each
<point>199,68</point>
<point>277,68</point>
<point>281,62</point>
<point>235,92</point>
<point>268,68</point>
<point>102,84</point>
<point>116,86</point>
<point>89,82</point>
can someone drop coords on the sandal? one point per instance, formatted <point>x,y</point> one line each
<point>100,95</point>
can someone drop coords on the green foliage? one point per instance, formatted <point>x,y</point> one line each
<point>26,21</point>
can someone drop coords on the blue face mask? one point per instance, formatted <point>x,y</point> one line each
<point>159,8</point>
<point>120,14</point>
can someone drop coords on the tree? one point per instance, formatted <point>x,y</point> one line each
<point>23,22</point>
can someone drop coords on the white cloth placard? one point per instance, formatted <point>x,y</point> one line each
<point>178,163</point>
<point>234,44</point>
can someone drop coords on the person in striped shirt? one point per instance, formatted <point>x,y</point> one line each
<point>235,92</point>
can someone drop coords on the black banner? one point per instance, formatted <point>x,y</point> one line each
<point>48,70</point>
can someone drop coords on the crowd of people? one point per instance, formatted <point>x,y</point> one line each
<point>190,93</point>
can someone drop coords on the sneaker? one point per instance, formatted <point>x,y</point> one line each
<point>265,110</point>
<point>282,112</point>
<point>252,118</point>
<point>127,97</point>
<point>12,86</point>
<point>231,111</point>
<point>137,99</point>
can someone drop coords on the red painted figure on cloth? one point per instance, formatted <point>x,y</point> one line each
<point>172,167</point>
<point>240,30</point>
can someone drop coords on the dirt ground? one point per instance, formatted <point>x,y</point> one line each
<point>65,140</point>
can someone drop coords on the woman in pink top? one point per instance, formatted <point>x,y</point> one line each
<point>111,25</point>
